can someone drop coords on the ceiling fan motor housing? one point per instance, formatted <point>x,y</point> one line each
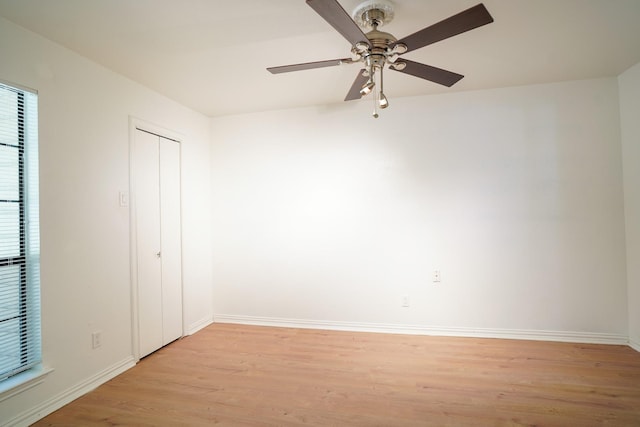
<point>380,39</point>
<point>380,51</point>
<point>372,14</point>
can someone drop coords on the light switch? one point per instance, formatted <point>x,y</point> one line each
<point>123,199</point>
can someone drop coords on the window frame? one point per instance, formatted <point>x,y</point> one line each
<point>28,370</point>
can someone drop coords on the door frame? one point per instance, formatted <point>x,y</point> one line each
<point>136,124</point>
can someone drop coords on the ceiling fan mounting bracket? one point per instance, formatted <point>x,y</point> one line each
<point>373,13</point>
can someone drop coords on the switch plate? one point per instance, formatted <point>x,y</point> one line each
<point>436,276</point>
<point>96,339</point>
<point>123,199</point>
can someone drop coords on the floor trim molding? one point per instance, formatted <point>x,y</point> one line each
<point>200,324</point>
<point>56,402</point>
<point>523,334</point>
<point>634,344</point>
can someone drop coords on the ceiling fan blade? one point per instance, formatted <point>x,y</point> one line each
<point>466,20</point>
<point>308,65</point>
<point>339,19</point>
<point>427,72</point>
<point>354,92</point>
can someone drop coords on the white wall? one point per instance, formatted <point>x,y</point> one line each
<point>629,83</point>
<point>325,216</point>
<point>84,114</point>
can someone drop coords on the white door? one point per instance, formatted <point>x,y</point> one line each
<point>170,240</point>
<point>156,195</point>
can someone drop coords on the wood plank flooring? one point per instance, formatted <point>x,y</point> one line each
<point>238,375</point>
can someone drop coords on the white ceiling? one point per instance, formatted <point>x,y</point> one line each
<point>211,55</point>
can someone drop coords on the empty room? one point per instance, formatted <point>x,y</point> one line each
<point>320,212</point>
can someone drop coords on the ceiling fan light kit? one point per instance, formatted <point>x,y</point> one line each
<point>377,49</point>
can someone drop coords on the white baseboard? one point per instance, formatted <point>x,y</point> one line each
<point>634,344</point>
<point>45,408</point>
<point>200,324</point>
<point>536,335</point>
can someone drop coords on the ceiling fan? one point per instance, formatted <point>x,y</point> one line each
<point>376,48</point>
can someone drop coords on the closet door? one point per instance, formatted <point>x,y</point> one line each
<point>156,187</point>
<point>146,172</point>
<point>170,236</point>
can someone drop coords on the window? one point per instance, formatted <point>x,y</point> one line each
<point>19,232</point>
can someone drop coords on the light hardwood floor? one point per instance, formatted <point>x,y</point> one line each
<point>261,376</point>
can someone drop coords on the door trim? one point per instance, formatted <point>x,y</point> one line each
<point>136,124</point>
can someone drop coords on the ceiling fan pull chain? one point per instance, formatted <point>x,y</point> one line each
<point>374,95</point>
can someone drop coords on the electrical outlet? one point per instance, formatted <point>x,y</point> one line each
<point>405,300</point>
<point>96,339</point>
<point>436,276</point>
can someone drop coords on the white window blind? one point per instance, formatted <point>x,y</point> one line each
<point>19,232</point>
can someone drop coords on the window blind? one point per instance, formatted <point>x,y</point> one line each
<point>20,347</point>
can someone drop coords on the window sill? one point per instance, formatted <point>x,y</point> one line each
<point>23,381</point>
